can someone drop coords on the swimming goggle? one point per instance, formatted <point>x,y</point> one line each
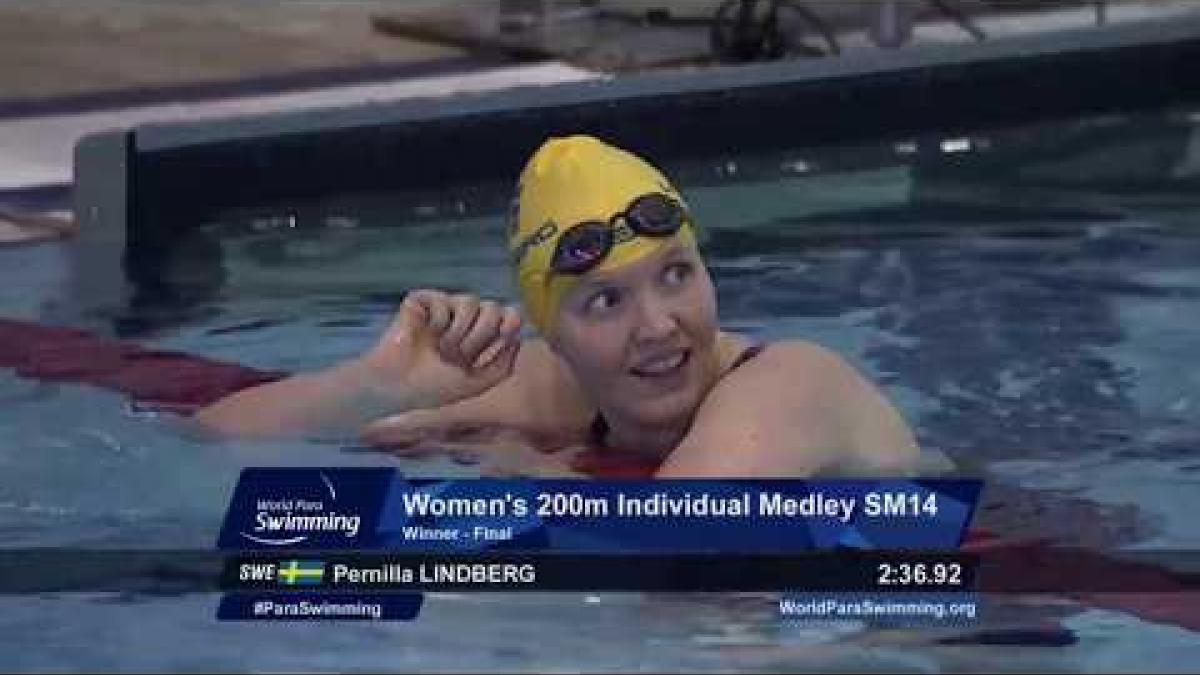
<point>585,245</point>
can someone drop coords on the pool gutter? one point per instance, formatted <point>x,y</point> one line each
<point>139,189</point>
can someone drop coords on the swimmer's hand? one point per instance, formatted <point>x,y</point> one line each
<point>444,348</point>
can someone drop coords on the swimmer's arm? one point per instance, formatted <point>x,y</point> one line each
<point>346,401</point>
<point>880,441</point>
<point>337,401</point>
<point>541,400</point>
<point>439,348</point>
<point>797,410</point>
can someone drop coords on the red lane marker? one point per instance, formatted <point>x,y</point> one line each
<point>608,464</point>
<point>1177,608</point>
<point>183,382</point>
<point>173,380</point>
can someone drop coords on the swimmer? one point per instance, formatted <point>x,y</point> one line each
<point>630,364</point>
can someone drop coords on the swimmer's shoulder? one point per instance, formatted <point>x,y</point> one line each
<point>813,393</point>
<point>780,362</point>
<point>794,375</point>
<point>876,439</point>
<point>766,416</point>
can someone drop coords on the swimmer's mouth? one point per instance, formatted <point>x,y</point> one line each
<point>664,365</point>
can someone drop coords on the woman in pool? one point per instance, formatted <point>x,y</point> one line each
<point>632,363</point>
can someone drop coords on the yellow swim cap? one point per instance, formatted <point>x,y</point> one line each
<point>569,181</point>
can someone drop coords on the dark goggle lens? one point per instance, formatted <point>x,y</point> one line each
<point>582,247</point>
<point>655,214</point>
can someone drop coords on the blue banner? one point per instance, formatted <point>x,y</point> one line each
<point>379,509</point>
<point>310,606</point>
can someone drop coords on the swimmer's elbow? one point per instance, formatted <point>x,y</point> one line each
<point>880,441</point>
<point>899,459</point>
<point>901,464</point>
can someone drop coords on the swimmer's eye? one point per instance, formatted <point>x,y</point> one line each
<point>676,274</point>
<point>601,301</point>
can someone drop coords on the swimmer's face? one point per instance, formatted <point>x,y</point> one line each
<point>641,338</point>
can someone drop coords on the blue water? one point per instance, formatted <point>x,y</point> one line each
<point>1047,349</point>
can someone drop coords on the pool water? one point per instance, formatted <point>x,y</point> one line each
<point>1032,315</point>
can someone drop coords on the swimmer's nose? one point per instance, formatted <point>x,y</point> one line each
<point>656,318</point>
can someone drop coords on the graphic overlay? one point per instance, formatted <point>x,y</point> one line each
<point>301,572</point>
<point>889,609</point>
<point>1017,567</point>
<point>319,606</point>
<point>326,532</point>
<point>830,571</point>
<point>287,508</point>
<point>362,509</point>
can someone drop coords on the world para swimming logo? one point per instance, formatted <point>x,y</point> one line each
<point>306,512</point>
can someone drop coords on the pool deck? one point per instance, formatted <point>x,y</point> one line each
<point>73,68</point>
